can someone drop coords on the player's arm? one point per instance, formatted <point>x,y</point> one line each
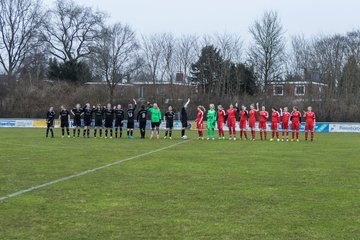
<point>187,103</point>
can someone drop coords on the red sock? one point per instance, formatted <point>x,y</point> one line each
<point>241,133</point>
<point>265,134</point>
<point>253,133</point>
<point>261,134</point>
<point>283,133</point>
<point>312,135</point>
<point>272,134</point>
<point>306,135</point>
<point>293,135</point>
<point>245,134</point>
<point>230,132</point>
<point>234,132</point>
<point>287,134</point>
<point>297,135</point>
<point>277,134</point>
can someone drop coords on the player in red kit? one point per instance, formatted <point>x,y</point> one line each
<point>220,121</point>
<point>285,117</point>
<point>295,123</point>
<point>310,123</point>
<point>263,117</point>
<point>243,119</point>
<point>231,121</point>
<point>199,121</point>
<point>275,120</point>
<point>252,119</point>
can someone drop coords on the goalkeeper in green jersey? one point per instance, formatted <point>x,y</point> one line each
<point>211,119</point>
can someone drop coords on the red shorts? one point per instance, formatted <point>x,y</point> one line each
<point>220,125</point>
<point>274,126</point>
<point>199,125</point>
<point>285,126</point>
<point>295,126</point>
<point>309,126</point>
<point>262,125</point>
<point>231,124</point>
<point>252,124</point>
<point>243,124</point>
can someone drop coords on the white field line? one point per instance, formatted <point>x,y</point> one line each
<point>87,172</point>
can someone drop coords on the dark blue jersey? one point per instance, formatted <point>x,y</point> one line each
<point>88,112</point>
<point>77,113</point>
<point>99,113</point>
<point>50,116</point>
<point>142,115</point>
<point>119,114</point>
<point>64,115</point>
<point>169,116</point>
<point>109,115</point>
<point>131,113</point>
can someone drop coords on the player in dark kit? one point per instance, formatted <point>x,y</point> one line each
<point>88,113</point>
<point>130,119</point>
<point>64,117</point>
<point>50,117</point>
<point>141,118</point>
<point>169,118</point>
<point>99,116</point>
<point>77,112</point>
<point>119,118</point>
<point>109,119</point>
<point>184,118</point>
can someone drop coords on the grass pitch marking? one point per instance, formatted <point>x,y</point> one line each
<point>87,172</point>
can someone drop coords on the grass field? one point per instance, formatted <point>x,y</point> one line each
<point>190,190</point>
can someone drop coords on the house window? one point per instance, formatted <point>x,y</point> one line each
<point>278,90</point>
<point>299,90</point>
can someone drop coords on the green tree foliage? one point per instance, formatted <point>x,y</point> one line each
<point>72,71</point>
<point>211,74</point>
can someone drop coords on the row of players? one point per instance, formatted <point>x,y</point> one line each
<point>219,117</point>
<point>104,118</point>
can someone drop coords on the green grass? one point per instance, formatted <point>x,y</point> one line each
<point>194,190</point>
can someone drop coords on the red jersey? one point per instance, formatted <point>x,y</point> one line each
<point>295,116</point>
<point>275,117</point>
<point>264,115</point>
<point>221,116</point>
<point>199,116</point>
<point>285,117</point>
<point>231,114</point>
<point>310,117</point>
<point>243,115</point>
<point>252,115</point>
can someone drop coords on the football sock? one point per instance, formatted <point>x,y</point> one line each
<point>120,132</point>
<point>166,133</point>
<point>306,135</point>
<point>62,132</point>
<point>95,130</point>
<point>261,135</point>
<point>84,132</point>
<point>88,132</point>
<point>100,132</point>
<point>131,132</point>
<point>78,132</point>
<point>116,132</point>
<point>241,133</point>
<point>265,135</point>
<point>297,135</point>
<point>292,135</point>
<point>74,130</point>
<point>106,132</point>
<point>312,135</point>
<point>68,131</point>
<point>52,132</point>
<point>111,132</point>
<point>47,132</point>
<point>277,134</point>
<point>245,134</point>
<point>170,133</point>
<point>182,132</point>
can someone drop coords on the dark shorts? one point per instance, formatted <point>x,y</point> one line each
<point>98,123</point>
<point>142,124</point>
<point>155,124</point>
<point>169,124</point>
<point>130,124</point>
<point>87,122</point>
<point>77,122</point>
<point>64,124</point>
<point>50,124</point>
<point>119,123</point>
<point>108,124</point>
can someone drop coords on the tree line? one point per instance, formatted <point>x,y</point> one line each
<point>75,43</point>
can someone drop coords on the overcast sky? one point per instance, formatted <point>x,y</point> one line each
<point>309,17</point>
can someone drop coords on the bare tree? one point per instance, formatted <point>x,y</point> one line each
<point>72,30</point>
<point>115,55</point>
<point>266,54</point>
<point>230,46</point>
<point>187,49</point>
<point>19,24</point>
